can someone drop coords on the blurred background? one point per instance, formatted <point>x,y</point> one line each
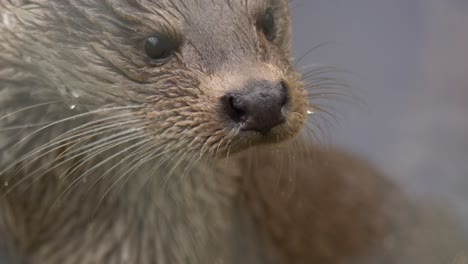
<point>409,64</point>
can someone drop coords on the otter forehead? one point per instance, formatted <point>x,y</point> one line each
<point>208,33</point>
<point>217,32</point>
<point>221,35</point>
<point>105,40</point>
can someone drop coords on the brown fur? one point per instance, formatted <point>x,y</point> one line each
<point>106,159</point>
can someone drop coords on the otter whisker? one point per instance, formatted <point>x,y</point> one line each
<point>150,154</point>
<point>327,86</point>
<point>321,71</point>
<point>322,78</point>
<point>323,87</point>
<point>317,126</point>
<point>88,171</point>
<point>19,127</point>
<point>311,133</point>
<point>190,163</point>
<point>167,174</point>
<point>231,135</point>
<point>30,107</point>
<point>49,167</point>
<point>324,93</point>
<point>29,162</point>
<point>86,134</point>
<point>206,146</point>
<point>308,52</point>
<point>211,149</point>
<point>319,83</point>
<point>217,148</point>
<point>108,137</point>
<point>134,167</point>
<point>315,67</point>
<point>74,117</point>
<point>323,120</point>
<point>62,142</point>
<point>175,166</point>
<point>291,177</point>
<point>94,122</point>
<point>100,148</point>
<point>327,110</point>
<point>179,180</point>
<point>227,146</point>
<point>228,150</point>
<point>142,154</point>
<point>136,154</point>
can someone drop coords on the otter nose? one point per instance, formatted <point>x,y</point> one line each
<point>260,107</point>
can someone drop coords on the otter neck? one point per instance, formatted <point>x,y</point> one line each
<point>197,210</point>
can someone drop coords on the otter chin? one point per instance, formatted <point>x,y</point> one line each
<point>118,119</point>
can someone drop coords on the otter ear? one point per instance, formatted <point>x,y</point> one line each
<point>284,29</point>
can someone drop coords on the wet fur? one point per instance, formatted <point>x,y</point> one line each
<point>106,159</point>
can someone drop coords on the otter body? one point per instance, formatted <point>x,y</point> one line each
<point>168,132</point>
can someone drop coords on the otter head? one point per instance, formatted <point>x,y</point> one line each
<point>199,76</point>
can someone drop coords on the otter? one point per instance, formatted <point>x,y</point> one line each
<point>172,131</point>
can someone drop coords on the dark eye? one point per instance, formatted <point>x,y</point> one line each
<point>158,49</point>
<point>268,24</point>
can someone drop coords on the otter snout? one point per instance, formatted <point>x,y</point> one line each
<point>260,106</point>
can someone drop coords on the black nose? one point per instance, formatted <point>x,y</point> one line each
<point>259,107</point>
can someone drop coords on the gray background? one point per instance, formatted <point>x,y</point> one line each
<point>410,65</point>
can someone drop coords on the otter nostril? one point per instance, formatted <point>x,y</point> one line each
<point>233,108</point>
<point>234,105</point>
<point>284,95</point>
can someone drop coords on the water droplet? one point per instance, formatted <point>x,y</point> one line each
<point>72,107</point>
<point>6,184</point>
<point>75,94</point>
<point>311,110</point>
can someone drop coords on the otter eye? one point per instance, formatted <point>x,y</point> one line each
<point>268,24</point>
<point>158,49</point>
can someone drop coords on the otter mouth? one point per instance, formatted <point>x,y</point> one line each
<point>244,139</point>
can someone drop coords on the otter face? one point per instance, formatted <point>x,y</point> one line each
<point>203,76</point>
